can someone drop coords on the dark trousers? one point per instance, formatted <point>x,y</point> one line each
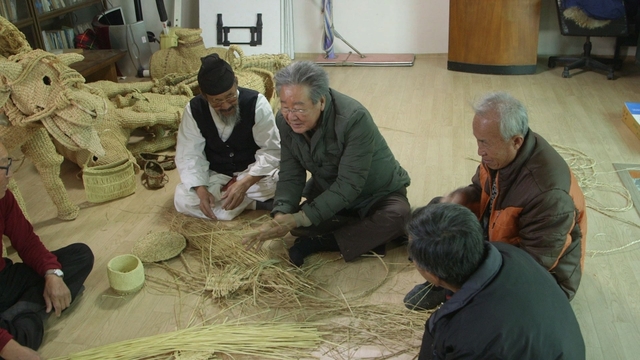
<point>385,221</point>
<point>22,306</point>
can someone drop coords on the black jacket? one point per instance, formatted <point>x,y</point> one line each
<point>510,308</point>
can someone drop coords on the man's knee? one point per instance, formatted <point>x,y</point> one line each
<point>78,254</point>
<point>397,208</point>
<point>27,329</point>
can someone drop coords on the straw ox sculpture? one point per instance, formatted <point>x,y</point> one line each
<point>49,110</point>
<point>52,114</point>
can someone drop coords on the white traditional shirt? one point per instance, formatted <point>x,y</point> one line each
<point>191,161</point>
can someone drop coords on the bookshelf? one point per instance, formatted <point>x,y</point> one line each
<point>43,17</point>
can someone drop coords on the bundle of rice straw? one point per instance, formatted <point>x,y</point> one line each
<point>260,340</point>
<point>217,264</point>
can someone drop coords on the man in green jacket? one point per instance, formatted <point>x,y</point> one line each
<point>355,201</point>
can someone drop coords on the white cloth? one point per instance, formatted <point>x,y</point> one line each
<point>187,201</point>
<point>193,165</point>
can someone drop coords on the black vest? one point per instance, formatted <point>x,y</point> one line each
<point>238,152</point>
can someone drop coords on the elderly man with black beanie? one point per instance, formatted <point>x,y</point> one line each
<point>228,151</point>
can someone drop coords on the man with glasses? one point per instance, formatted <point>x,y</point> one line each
<point>356,197</point>
<point>228,150</point>
<point>42,283</point>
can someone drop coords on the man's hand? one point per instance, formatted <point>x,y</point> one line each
<point>207,202</point>
<point>236,191</point>
<point>279,226</point>
<point>56,294</point>
<point>15,351</point>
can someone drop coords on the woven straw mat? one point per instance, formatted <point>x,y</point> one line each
<point>159,246</point>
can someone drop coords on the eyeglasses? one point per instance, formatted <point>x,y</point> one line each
<point>6,168</point>
<point>286,111</point>
<point>229,100</point>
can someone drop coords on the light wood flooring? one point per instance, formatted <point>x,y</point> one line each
<point>425,115</point>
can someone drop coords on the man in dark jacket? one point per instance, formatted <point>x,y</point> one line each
<point>524,194</point>
<point>356,197</point>
<point>504,305</point>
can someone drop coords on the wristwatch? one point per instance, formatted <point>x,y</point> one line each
<point>56,272</point>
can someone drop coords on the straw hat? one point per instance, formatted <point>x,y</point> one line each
<point>159,246</point>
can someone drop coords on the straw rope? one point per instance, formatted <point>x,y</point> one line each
<point>584,169</point>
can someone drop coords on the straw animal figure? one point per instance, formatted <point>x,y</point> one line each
<point>44,99</point>
<point>41,97</point>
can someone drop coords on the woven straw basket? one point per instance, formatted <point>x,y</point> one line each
<point>184,58</point>
<point>109,182</point>
<point>126,274</point>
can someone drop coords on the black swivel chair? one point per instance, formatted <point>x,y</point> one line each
<point>615,28</point>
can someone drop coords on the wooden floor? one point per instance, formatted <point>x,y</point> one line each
<point>425,115</point>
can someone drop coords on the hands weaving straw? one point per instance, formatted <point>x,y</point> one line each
<point>278,227</point>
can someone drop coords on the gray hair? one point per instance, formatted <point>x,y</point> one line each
<point>511,113</point>
<point>305,73</point>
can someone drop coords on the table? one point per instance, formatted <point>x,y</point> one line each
<point>99,64</point>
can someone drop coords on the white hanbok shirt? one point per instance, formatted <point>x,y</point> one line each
<point>192,163</point>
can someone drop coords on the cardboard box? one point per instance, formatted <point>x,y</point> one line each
<point>631,117</point>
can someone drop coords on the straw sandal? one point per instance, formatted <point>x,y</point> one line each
<point>168,162</point>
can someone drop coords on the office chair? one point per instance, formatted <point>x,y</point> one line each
<point>605,28</point>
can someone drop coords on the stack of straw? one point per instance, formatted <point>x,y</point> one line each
<point>260,340</point>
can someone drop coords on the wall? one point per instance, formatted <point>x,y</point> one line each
<point>385,26</point>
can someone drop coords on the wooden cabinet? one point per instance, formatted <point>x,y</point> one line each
<point>493,36</point>
<point>40,17</point>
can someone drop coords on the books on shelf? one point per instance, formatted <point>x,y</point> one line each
<point>9,9</point>
<point>44,6</point>
<point>59,39</point>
